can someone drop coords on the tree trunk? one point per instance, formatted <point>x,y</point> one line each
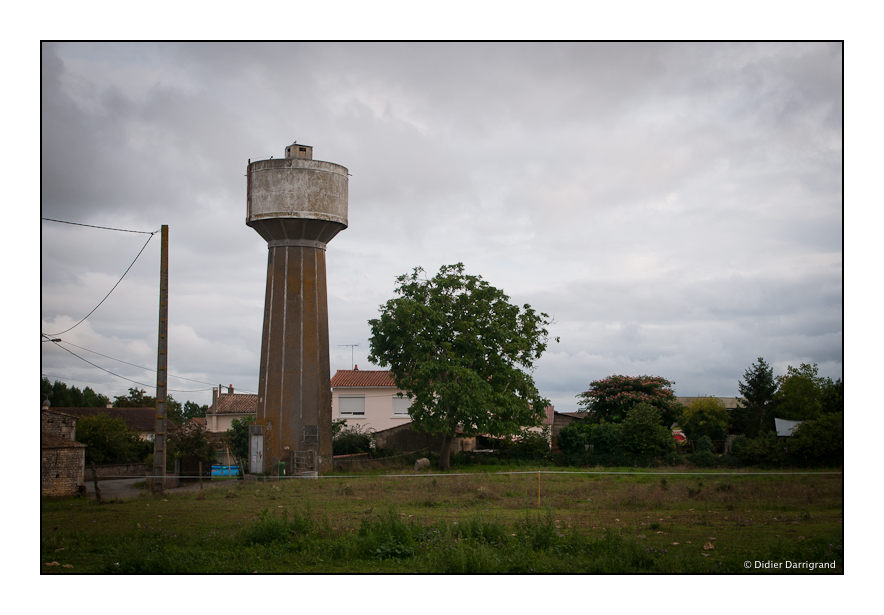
<point>95,483</point>
<point>445,453</point>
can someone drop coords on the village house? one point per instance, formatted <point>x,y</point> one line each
<point>228,406</point>
<point>368,398</point>
<point>62,458</point>
<point>371,400</point>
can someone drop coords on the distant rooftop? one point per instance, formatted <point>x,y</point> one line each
<point>363,378</point>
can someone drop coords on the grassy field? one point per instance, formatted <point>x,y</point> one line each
<point>474,523</point>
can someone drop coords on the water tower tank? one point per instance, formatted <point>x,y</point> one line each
<point>297,205</point>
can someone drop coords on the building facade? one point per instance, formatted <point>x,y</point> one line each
<point>62,458</point>
<point>368,398</point>
<point>228,406</point>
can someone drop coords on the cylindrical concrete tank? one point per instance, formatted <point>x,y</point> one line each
<point>297,205</point>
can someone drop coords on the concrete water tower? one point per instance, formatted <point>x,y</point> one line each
<point>297,205</point>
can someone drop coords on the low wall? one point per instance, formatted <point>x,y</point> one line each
<point>119,470</point>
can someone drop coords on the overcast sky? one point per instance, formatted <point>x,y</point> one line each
<point>675,208</point>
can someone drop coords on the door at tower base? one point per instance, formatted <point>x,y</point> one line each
<point>256,449</point>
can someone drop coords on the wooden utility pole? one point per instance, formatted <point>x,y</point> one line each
<point>159,439</point>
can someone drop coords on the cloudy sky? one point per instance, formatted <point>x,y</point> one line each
<point>676,208</point>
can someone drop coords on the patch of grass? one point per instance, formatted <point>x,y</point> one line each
<point>483,523</point>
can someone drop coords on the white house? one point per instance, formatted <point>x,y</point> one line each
<point>228,406</point>
<point>368,398</point>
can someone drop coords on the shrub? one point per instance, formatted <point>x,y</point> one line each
<point>584,443</point>
<point>573,441</point>
<point>763,450</point>
<point>703,444</point>
<point>644,437</point>
<point>819,441</point>
<point>238,436</point>
<point>352,439</point>
<point>705,416</point>
<point>531,445</point>
<point>190,442</point>
<point>703,459</point>
<point>108,440</point>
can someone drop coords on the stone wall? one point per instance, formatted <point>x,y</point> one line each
<point>61,470</point>
<point>59,425</point>
<point>405,439</point>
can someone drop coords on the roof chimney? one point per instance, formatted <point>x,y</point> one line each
<point>230,389</point>
<point>355,368</point>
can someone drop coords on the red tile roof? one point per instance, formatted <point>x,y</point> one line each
<point>235,403</point>
<point>363,378</point>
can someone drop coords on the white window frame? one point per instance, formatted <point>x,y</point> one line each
<point>352,407</point>
<point>401,401</point>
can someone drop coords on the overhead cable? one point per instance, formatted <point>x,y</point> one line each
<point>111,290</point>
<point>133,365</point>
<point>150,386</point>
<point>106,228</point>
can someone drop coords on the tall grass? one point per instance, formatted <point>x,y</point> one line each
<point>473,524</point>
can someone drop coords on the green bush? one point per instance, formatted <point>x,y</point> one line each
<point>573,441</point>
<point>705,416</point>
<point>819,441</point>
<point>644,437</point>
<point>763,450</point>
<point>108,440</point>
<point>703,444</point>
<point>352,439</point>
<point>703,459</point>
<point>272,528</point>
<point>528,445</point>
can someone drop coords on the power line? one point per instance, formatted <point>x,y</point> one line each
<point>106,228</point>
<point>111,290</point>
<point>149,386</point>
<point>133,365</point>
<point>101,368</point>
<point>127,363</point>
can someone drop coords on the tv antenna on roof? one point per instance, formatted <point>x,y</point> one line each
<point>352,346</point>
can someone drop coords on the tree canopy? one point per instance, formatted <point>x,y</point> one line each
<point>463,353</point>
<point>108,440</point>
<point>611,398</point>
<point>60,395</point>
<point>138,398</point>
<point>757,390</point>
<point>803,394</point>
<point>238,436</point>
<point>705,416</point>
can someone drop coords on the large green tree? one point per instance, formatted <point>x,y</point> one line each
<point>611,398</point>
<point>60,395</point>
<point>138,398</point>
<point>190,442</point>
<point>108,440</point>
<point>803,394</point>
<point>463,352</point>
<point>705,416</point>
<point>757,390</point>
<point>181,414</point>
<point>238,436</point>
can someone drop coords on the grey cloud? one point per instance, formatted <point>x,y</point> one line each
<point>676,207</point>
